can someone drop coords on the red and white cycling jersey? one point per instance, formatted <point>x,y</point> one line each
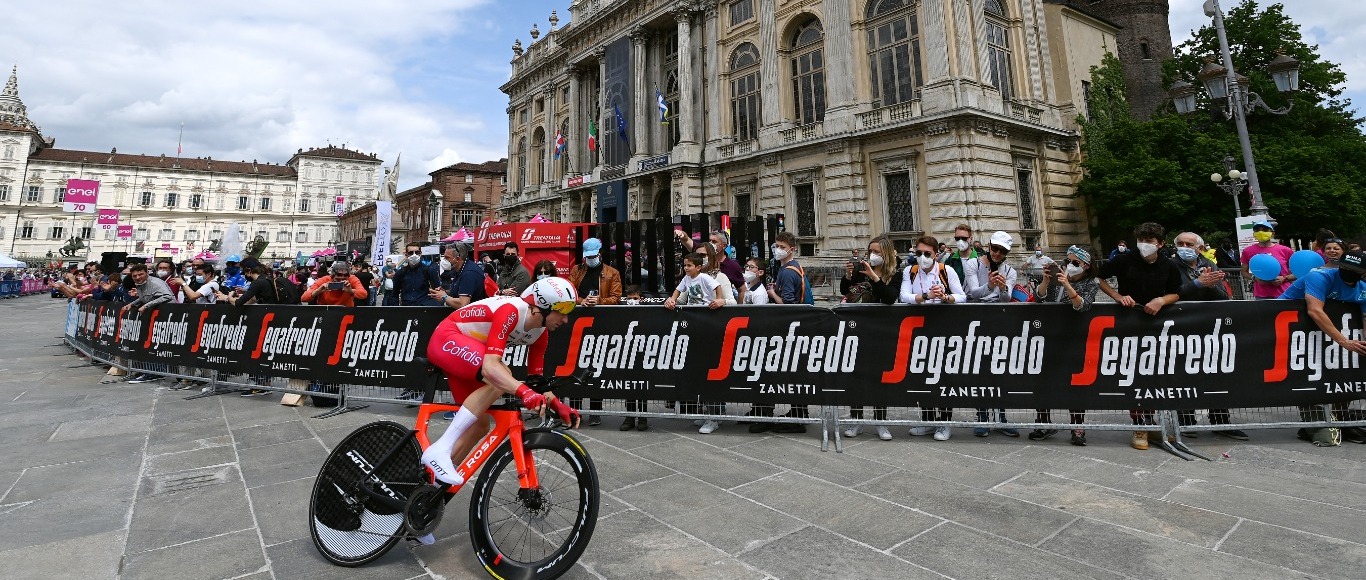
<point>498,323</point>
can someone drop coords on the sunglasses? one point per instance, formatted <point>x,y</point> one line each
<point>414,253</point>
<point>1076,263</point>
<point>563,307</point>
<point>923,254</point>
<point>998,250</point>
<point>962,238</point>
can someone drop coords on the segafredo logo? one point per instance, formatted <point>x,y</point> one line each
<point>793,352</point>
<point>375,344</point>
<point>1308,354</point>
<point>631,350</point>
<point>964,354</point>
<point>1149,356</point>
<point>294,338</point>
<point>220,335</point>
<point>174,331</point>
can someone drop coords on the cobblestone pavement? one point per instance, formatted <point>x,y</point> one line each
<point>133,481</point>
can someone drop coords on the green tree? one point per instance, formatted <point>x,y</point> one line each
<point>1311,162</point>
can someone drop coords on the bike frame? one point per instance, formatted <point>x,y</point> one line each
<point>508,424</point>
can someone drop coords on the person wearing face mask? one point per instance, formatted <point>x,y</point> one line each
<point>597,284</point>
<point>207,278</point>
<point>1263,232</point>
<point>165,270</point>
<point>1075,285</point>
<point>1036,263</point>
<point>872,279</point>
<point>961,252</point>
<point>1341,284</point>
<point>233,279</point>
<point>1144,281</point>
<point>466,281</point>
<point>756,288</point>
<point>1120,250</point>
<point>926,281</point>
<point>990,279</point>
<point>1201,281</point>
<point>413,281</point>
<point>719,242</point>
<point>339,288</point>
<point>513,277</point>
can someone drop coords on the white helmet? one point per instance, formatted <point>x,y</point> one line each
<point>553,293</point>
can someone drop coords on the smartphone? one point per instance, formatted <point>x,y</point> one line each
<point>592,292</point>
<point>336,285</point>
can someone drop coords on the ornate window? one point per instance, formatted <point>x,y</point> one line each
<point>671,131</point>
<point>901,196</point>
<point>9,152</point>
<point>999,73</point>
<point>172,199</point>
<point>744,92</point>
<point>303,205</point>
<point>191,235</point>
<point>564,155</point>
<point>301,237</point>
<point>242,203</point>
<point>4,193</point>
<point>35,195</point>
<point>167,234</point>
<point>538,152</point>
<point>265,204</point>
<point>196,200</point>
<point>282,236</point>
<point>521,163</point>
<point>56,233</point>
<point>805,194</point>
<point>1024,179</point>
<point>146,199</point>
<point>87,232</point>
<point>894,51</point>
<point>741,11</point>
<point>59,194</point>
<point>26,232</point>
<point>808,73</point>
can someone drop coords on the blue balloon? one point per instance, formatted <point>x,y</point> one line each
<point>1264,267</point>
<point>1303,261</point>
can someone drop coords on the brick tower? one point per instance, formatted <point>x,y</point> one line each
<point>1144,43</point>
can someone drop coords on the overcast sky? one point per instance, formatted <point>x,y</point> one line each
<point>258,80</point>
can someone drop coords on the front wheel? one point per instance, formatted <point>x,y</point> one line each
<point>349,527</point>
<point>536,533</point>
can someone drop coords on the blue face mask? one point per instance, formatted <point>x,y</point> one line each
<point>542,276</point>
<point>199,279</point>
<point>1187,254</point>
<point>593,262</point>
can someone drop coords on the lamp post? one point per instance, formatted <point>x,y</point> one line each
<point>1227,87</point>
<point>1234,187</point>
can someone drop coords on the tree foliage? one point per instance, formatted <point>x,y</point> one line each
<point>1311,162</point>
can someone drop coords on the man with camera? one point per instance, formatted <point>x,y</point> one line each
<point>338,289</point>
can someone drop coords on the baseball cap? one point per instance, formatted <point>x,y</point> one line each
<point>1354,261</point>
<point>1263,224</point>
<point>1002,239</point>
<point>592,247</point>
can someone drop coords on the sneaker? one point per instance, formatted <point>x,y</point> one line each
<point>627,425</point>
<point>594,420</point>
<point>760,427</point>
<point>254,393</point>
<point>448,415</point>
<point>138,378</point>
<point>981,431</point>
<point>1234,434</point>
<point>1041,434</point>
<point>1354,434</point>
<point>852,431</point>
<point>1140,441</point>
<point>921,431</point>
<point>1007,431</point>
<point>1079,437</point>
<point>409,395</point>
<point>884,434</point>
<point>642,424</point>
<point>941,433</point>
<point>708,427</point>
<point>789,428</point>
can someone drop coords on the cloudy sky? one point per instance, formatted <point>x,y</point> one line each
<point>258,80</point>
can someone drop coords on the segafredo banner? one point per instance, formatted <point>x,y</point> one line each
<point>1194,356</point>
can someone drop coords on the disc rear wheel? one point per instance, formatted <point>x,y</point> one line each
<point>349,527</point>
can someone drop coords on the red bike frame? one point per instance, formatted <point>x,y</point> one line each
<point>508,424</point>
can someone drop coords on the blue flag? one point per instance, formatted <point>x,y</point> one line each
<point>621,122</point>
<point>663,106</point>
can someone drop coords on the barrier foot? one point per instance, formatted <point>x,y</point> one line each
<point>831,424</point>
<point>214,390</point>
<point>1184,449</point>
<point>1172,450</point>
<point>339,409</point>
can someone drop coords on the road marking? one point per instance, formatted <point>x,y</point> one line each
<point>17,398</point>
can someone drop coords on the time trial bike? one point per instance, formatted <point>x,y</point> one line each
<point>532,511</point>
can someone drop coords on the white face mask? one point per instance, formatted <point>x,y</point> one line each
<point>1038,253</point>
<point>413,260</point>
<point>925,263</point>
<point>542,276</point>
<point>1074,270</point>
<point>779,254</point>
<point>962,245</point>
<point>750,277</point>
<point>874,259</point>
<point>1146,249</point>
<point>163,273</point>
<point>632,302</point>
<point>704,263</point>
<point>446,265</point>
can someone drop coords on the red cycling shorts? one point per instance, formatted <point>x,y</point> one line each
<point>460,357</point>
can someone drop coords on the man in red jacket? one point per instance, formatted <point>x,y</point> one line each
<point>338,289</point>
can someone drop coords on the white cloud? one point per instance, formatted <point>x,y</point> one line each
<point>248,80</point>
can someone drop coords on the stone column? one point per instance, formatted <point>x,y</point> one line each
<point>548,152</point>
<point>768,66</point>
<point>599,109</point>
<point>713,65</point>
<point>687,149</point>
<point>839,56</point>
<point>938,93</point>
<point>640,128</point>
<point>576,130</point>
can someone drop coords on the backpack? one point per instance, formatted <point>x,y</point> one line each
<point>285,291</point>
<point>806,297</point>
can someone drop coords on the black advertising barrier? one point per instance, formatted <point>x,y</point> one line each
<point>1192,356</point>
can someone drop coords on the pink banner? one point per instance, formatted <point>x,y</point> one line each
<point>125,231</point>
<point>81,195</point>
<point>108,218</point>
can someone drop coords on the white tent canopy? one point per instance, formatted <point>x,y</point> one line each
<point>8,262</point>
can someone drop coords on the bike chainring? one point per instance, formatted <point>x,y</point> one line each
<point>425,507</point>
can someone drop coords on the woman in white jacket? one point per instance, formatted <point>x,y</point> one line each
<point>927,281</point>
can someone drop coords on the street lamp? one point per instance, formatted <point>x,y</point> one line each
<point>1234,187</point>
<point>1230,91</point>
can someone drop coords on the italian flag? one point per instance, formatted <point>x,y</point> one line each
<point>592,135</point>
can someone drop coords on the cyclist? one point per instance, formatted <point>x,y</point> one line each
<point>469,344</point>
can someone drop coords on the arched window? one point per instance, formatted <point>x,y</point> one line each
<point>744,92</point>
<point>808,73</point>
<point>521,164</point>
<point>894,50</point>
<point>671,98</point>
<point>564,153</point>
<point>538,152</point>
<point>998,71</point>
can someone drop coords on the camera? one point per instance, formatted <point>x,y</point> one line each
<point>336,285</point>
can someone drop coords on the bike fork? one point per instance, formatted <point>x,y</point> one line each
<point>526,467</point>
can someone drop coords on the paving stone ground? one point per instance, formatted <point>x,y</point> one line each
<point>132,481</point>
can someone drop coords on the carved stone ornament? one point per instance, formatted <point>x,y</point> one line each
<point>801,177</point>
<point>517,47</point>
<point>770,159</point>
<point>639,35</point>
<point>535,32</point>
<point>554,20</point>
<point>940,128</point>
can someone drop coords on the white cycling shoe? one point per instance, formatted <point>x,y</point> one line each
<point>441,466</point>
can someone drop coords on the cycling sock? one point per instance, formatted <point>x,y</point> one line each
<point>438,456</point>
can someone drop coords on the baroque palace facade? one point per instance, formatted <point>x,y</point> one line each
<point>850,117</point>
<point>172,203</point>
